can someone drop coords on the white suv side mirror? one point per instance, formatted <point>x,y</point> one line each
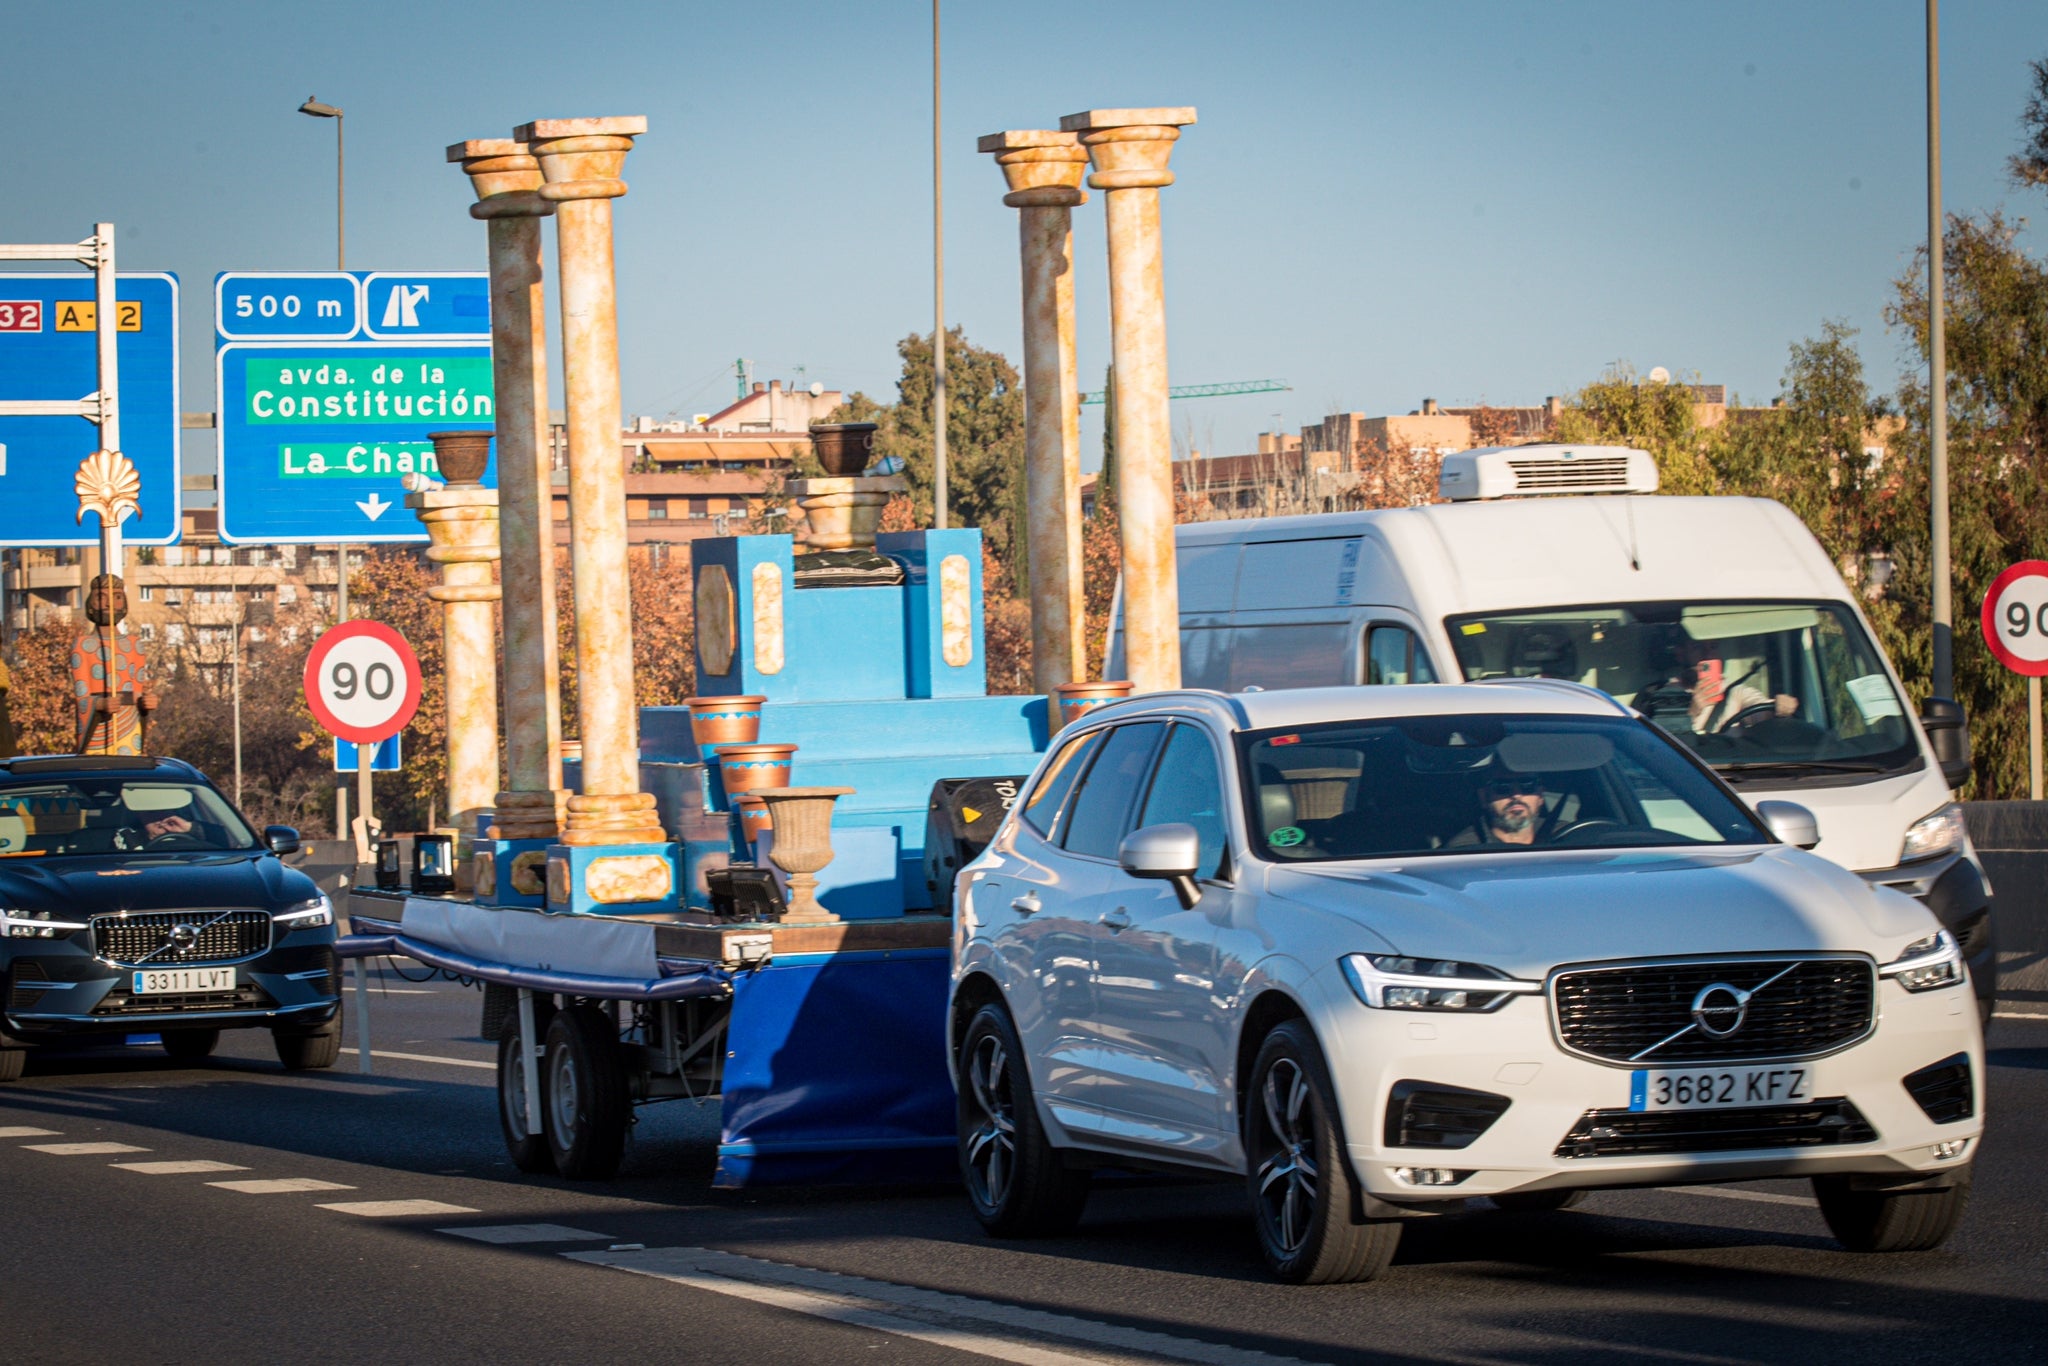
<point>1171,852</point>
<point>1790,822</point>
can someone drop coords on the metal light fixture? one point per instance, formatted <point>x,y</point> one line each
<point>433,864</point>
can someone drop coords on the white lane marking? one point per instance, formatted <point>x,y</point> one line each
<point>82,1149</point>
<point>429,1057</point>
<point>2016,1015</point>
<point>1730,1193</point>
<point>391,1209</point>
<point>528,1233</point>
<point>23,1131</point>
<point>177,1168</point>
<point>286,1185</point>
<point>983,1327</point>
<point>403,991</point>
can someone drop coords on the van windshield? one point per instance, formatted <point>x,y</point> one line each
<point>1761,690</point>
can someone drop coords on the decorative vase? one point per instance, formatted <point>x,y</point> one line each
<point>754,767</point>
<point>754,818</point>
<point>1072,701</point>
<point>843,448</point>
<point>734,720</point>
<point>462,456</point>
<point>803,846</point>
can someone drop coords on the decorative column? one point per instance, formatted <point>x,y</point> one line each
<point>581,160</point>
<point>1130,149</point>
<point>1044,171</point>
<point>462,521</point>
<point>507,179</point>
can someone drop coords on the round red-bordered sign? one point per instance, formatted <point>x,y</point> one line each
<point>362,682</point>
<point>2015,618</point>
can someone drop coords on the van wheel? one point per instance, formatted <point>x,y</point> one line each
<point>1537,1202</point>
<point>1014,1176</point>
<point>190,1045</point>
<point>1891,1221</point>
<point>1300,1183</point>
<point>11,1062</point>
<point>587,1104</point>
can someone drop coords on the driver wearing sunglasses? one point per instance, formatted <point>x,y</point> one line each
<point>1510,812</point>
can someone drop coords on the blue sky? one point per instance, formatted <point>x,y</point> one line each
<point>1381,202</point>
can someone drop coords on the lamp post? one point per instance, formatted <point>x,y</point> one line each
<point>331,111</point>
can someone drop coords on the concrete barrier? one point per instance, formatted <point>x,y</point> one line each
<point>2012,840</point>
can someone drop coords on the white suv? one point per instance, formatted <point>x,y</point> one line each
<point>1379,950</point>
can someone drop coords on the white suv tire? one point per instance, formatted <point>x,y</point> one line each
<point>1015,1178</point>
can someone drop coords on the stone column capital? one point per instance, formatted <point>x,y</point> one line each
<point>581,158</point>
<point>1130,147</point>
<point>1043,167</point>
<point>506,176</point>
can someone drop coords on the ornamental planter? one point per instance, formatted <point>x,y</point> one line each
<point>734,720</point>
<point>754,818</point>
<point>1072,701</point>
<point>803,846</point>
<point>843,448</point>
<point>462,456</point>
<point>754,767</point>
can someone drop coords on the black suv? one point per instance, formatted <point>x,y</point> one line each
<point>135,899</point>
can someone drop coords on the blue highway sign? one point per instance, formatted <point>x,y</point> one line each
<point>49,350</point>
<point>327,385</point>
<point>385,757</point>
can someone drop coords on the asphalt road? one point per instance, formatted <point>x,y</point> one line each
<point>109,1256</point>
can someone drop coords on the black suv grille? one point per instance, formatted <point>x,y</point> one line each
<point>1630,1133</point>
<point>219,937</point>
<point>1801,1006</point>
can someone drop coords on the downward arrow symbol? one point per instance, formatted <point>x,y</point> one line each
<point>373,506</point>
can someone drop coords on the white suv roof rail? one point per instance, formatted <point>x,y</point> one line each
<point>1550,468</point>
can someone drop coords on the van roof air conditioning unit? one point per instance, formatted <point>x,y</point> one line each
<point>1525,471</point>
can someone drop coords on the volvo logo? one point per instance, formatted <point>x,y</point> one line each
<point>183,937</point>
<point>1720,1009</point>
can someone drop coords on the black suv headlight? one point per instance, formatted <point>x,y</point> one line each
<point>307,915</point>
<point>34,925</point>
<point>1387,981</point>
<point>1927,964</point>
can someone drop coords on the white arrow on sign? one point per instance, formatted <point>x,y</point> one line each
<point>373,507</point>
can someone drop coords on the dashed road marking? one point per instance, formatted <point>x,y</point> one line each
<point>287,1185</point>
<point>2017,1015</point>
<point>393,1209</point>
<point>1730,1193</point>
<point>528,1233</point>
<point>177,1168</point>
<point>1031,1337</point>
<point>82,1149</point>
<point>429,1057</point>
<point>23,1131</point>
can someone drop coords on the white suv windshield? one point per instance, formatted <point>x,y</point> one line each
<point>1772,689</point>
<point>1477,784</point>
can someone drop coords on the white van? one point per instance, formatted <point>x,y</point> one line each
<point>1720,619</point>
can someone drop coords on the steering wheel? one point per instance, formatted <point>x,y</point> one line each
<point>1591,824</point>
<point>178,839</point>
<point>1663,697</point>
<point>1761,725</point>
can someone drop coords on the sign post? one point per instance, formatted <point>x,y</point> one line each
<point>2015,621</point>
<point>362,686</point>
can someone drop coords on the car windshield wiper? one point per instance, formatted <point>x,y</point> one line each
<point>1802,765</point>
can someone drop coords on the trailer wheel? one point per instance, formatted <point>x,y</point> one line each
<point>588,1102</point>
<point>529,1151</point>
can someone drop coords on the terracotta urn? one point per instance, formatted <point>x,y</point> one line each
<point>843,448</point>
<point>803,845</point>
<point>754,767</point>
<point>462,456</point>
<point>1072,701</point>
<point>734,720</point>
<point>754,818</point>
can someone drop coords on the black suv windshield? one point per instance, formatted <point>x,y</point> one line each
<point>1478,784</point>
<point>1769,689</point>
<point>110,815</point>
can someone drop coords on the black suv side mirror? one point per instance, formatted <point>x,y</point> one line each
<point>282,839</point>
<point>1948,733</point>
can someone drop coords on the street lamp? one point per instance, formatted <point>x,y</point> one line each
<point>329,111</point>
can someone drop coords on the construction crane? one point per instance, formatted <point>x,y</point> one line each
<point>1247,386</point>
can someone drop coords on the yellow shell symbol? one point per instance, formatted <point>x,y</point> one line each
<point>108,484</point>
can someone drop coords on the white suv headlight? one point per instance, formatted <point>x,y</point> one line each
<point>1939,832</point>
<point>1927,964</point>
<point>1388,981</point>
<point>34,925</point>
<point>307,915</point>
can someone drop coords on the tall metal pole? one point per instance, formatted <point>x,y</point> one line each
<point>1937,381</point>
<point>938,295</point>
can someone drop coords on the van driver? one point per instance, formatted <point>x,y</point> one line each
<point>1714,702</point>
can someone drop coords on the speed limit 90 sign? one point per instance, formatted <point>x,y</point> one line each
<point>2016,618</point>
<point>362,682</point>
